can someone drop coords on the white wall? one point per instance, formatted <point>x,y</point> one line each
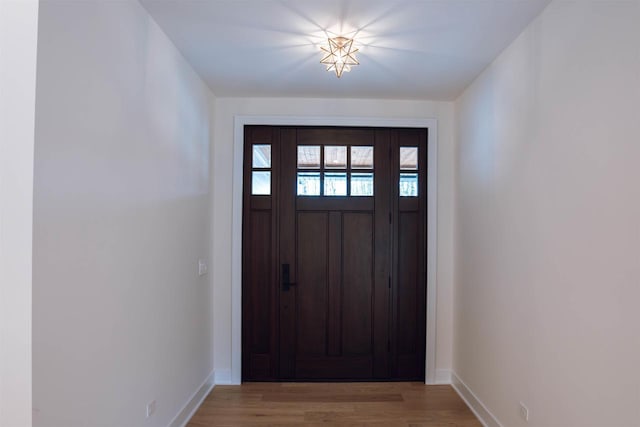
<point>227,108</point>
<point>121,216</point>
<point>548,213</point>
<point>18,44</point>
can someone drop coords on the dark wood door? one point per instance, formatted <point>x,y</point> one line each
<point>334,253</point>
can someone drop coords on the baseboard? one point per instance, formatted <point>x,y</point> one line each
<point>194,402</point>
<point>482,412</point>
<point>443,376</point>
<point>223,377</point>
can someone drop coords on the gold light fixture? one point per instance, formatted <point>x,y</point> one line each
<point>340,55</point>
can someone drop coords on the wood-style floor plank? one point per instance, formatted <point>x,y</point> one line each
<point>334,404</point>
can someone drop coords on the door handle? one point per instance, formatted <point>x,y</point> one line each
<point>286,279</point>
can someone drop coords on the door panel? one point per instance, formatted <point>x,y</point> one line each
<point>311,289</point>
<point>258,283</point>
<point>407,282</point>
<point>334,341</point>
<point>357,307</point>
<point>357,287</point>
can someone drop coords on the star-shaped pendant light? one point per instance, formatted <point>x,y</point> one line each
<point>340,55</point>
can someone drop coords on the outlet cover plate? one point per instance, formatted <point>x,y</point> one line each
<point>151,408</point>
<point>524,412</point>
<point>202,267</point>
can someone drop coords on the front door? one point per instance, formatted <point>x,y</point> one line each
<point>334,253</point>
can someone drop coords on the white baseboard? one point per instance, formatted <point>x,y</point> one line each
<point>223,377</point>
<point>443,376</point>
<point>482,412</point>
<point>194,402</point>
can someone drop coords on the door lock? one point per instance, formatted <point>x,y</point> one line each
<point>286,279</point>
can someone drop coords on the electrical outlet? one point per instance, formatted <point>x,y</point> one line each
<point>524,412</point>
<point>151,408</point>
<point>202,267</point>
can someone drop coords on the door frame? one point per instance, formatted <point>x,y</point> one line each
<point>236,228</point>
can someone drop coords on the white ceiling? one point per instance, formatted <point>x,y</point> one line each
<point>429,49</point>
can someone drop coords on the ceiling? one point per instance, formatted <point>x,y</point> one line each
<point>428,49</point>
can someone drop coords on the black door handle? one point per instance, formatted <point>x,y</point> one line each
<point>286,279</point>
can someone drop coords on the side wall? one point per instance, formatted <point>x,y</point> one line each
<point>548,213</point>
<point>18,48</point>
<point>228,108</point>
<point>121,217</point>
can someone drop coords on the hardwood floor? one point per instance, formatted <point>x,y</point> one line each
<point>334,404</point>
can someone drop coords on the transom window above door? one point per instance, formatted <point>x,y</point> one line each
<point>335,170</point>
